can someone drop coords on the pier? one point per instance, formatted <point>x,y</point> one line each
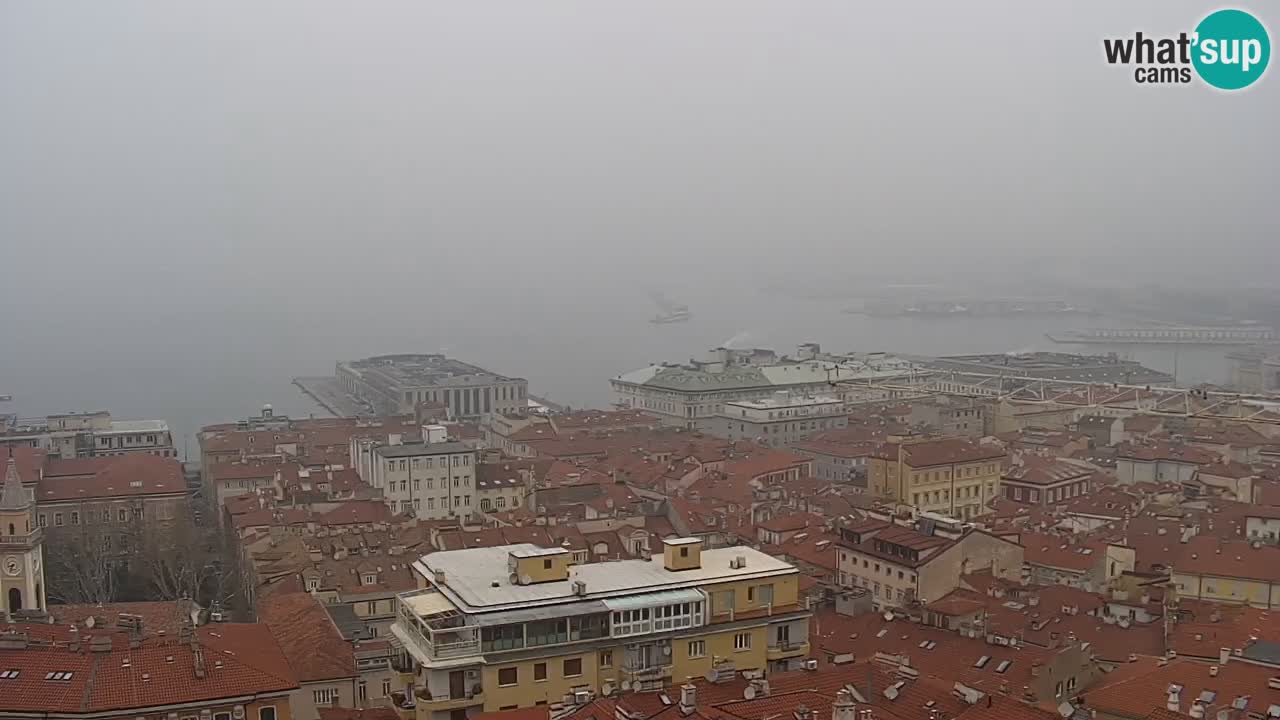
<point>1169,336</point>
<point>329,395</point>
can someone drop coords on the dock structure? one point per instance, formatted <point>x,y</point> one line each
<point>330,395</point>
<point>1251,335</point>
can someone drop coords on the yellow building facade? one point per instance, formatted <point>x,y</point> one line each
<point>520,626</point>
<point>953,477</point>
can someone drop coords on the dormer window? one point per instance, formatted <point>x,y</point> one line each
<point>313,584</point>
<point>370,579</point>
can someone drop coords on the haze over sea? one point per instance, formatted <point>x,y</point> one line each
<point>198,366</point>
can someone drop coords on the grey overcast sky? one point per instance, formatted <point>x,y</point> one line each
<point>171,159</point>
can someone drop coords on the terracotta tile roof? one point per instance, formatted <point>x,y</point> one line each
<point>1213,557</point>
<point>946,451</point>
<point>1136,695</point>
<point>239,660</point>
<point>1066,553</point>
<point>166,615</point>
<point>792,522</point>
<point>130,475</point>
<point>313,645</point>
<point>357,512</point>
<point>1045,471</point>
<point>1166,452</point>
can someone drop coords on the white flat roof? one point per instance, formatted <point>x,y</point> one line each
<point>132,426</point>
<point>538,552</point>
<point>477,579</point>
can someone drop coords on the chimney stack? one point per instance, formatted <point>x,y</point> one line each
<point>688,698</point>
<point>844,708</point>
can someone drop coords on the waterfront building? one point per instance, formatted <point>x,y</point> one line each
<point>398,384</point>
<point>518,626</point>
<point>691,395</point>
<point>89,434</point>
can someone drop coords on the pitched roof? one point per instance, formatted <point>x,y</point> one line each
<point>131,475</point>
<point>1135,694</point>
<point>305,632</point>
<point>13,496</point>
<point>238,660</point>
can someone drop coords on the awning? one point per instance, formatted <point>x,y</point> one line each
<point>428,604</point>
<point>657,599</point>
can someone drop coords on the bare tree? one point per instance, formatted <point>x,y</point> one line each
<point>180,559</point>
<point>81,566</point>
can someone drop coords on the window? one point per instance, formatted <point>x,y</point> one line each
<point>75,517</point>
<point>698,648</point>
<point>606,658</point>
<point>57,519</point>
<point>386,688</point>
<point>324,696</point>
<point>508,676</point>
<point>723,602</point>
<point>684,552</point>
<point>540,672</point>
<point>313,584</point>
<point>742,641</point>
<point>267,712</point>
<point>764,594</point>
<point>546,564</point>
<point>123,516</point>
<point>572,667</point>
<point>1057,689</point>
<point>43,520</point>
<point>362,692</point>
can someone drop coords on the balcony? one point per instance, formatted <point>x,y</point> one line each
<point>27,540</point>
<point>448,701</point>
<point>649,677</point>
<point>431,632</point>
<point>788,649</point>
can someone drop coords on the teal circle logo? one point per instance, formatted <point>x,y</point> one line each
<point>1231,49</point>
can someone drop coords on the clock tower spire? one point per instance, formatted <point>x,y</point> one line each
<point>21,546</point>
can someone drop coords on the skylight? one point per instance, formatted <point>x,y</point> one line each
<point>982,662</point>
<point>1003,666</point>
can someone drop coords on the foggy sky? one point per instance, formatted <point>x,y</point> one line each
<point>168,169</point>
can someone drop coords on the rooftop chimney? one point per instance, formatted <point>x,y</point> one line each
<point>688,698</point>
<point>844,708</point>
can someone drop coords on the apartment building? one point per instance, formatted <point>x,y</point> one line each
<point>949,476</point>
<point>89,434</point>
<point>778,420</point>
<point>900,565</point>
<point>1044,482</point>
<point>398,384</point>
<point>518,626</point>
<point>1228,571</point>
<point>432,479</point>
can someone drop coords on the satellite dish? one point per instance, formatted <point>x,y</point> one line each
<point>514,578</point>
<point>526,580</point>
<point>626,685</point>
<point>606,689</point>
<point>749,692</point>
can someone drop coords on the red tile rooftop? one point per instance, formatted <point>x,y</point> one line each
<point>121,476</point>
<point>1135,693</point>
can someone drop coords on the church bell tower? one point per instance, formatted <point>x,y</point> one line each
<point>21,547</point>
